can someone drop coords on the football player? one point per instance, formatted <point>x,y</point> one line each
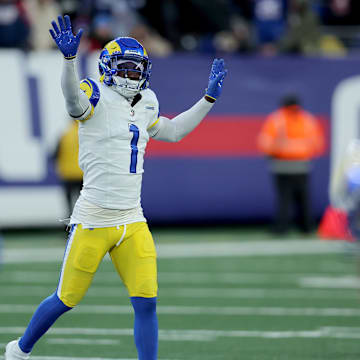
<point>117,115</point>
<point>345,188</point>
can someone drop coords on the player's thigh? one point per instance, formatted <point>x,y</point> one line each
<point>84,252</point>
<point>135,261</point>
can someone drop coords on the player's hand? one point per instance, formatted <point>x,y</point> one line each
<point>216,78</point>
<point>64,38</point>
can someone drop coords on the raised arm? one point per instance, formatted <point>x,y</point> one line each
<point>181,125</point>
<point>77,103</point>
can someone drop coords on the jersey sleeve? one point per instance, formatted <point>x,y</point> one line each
<point>92,91</point>
<point>177,128</point>
<point>154,121</point>
<point>151,105</point>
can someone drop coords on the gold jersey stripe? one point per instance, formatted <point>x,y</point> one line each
<point>90,115</point>
<point>152,125</point>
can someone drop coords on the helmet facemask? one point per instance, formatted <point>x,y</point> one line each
<point>127,75</point>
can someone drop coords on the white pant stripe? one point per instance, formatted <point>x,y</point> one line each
<point>67,251</point>
<point>122,236</point>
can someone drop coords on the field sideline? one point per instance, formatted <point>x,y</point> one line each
<point>229,294</point>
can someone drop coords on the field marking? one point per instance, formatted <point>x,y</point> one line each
<point>110,277</point>
<point>203,335</point>
<point>342,282</point>
<point>197,310</point>
<point>218,293</point>
<point>167,336</point>
<point>80,341</point>
<point>34,357</point>
<point>74,358</point>
<point>196,250</point>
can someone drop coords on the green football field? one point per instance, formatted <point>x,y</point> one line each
<point>227,293</point>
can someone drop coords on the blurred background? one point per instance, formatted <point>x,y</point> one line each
<point>218,173</point>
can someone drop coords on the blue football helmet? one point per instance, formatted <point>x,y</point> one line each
<point>125,66</point>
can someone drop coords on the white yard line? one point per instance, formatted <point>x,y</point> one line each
<point>198,335</point>
<point>198,310</point>
<point>218,293</point>
<point>106,278</point>
<point>34,357</point>
<point>250,248</point>
<point>162,337</point>
<point>79,341</point>
<point>343,282</point>
<point>74,358</point>
<point>196,250</point>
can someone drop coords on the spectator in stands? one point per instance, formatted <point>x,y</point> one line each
<point>291,137</point>
<point>238,36</point>
<point>341,12</point>
<point>113,18</point>
<point>269,19</point>
<point>121,17</point>
<point>191,25</point>
<point>303,35</point>
<point>67,167</point>
<point>41,12</point>
<point>156,45</point>
<point>14,24</point>
<point>100,32</point>
<point>233,26</point>
<point>72,7</point>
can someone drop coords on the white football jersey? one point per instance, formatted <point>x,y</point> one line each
<point>112,143</point>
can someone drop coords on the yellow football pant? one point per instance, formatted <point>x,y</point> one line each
<point>132,251</point>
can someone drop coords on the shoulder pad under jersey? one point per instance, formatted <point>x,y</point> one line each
<point>91,89</point>
<point>149,94</point>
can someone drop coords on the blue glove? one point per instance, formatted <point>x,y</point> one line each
<point>216,78</point>
<point>64,38</point>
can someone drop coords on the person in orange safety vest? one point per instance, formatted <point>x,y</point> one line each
<point>291,137</point>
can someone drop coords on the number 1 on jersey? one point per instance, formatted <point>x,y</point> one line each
<point>134,149</point>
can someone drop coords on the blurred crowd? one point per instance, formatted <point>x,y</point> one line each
<point>266,27</point>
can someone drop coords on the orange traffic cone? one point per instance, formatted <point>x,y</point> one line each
<point>334,225</point>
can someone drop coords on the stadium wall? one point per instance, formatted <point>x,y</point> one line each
<point>215,174</point>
